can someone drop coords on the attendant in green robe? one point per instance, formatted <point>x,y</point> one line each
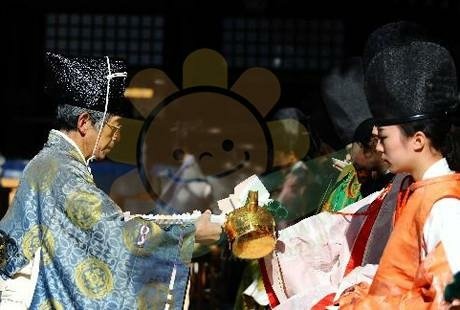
<point>366,173</point>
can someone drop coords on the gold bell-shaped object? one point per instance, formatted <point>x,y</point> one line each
<point>251,230</point>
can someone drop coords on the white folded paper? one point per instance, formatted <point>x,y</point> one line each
<point>226,205</point>
<point>240,195</point>
<point>174,219</point>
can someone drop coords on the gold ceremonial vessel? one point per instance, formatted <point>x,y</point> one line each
<point>251,230</point>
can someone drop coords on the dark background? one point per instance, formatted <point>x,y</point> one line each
<point>188,25</point>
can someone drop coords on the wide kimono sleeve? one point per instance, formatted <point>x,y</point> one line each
<point>90,257</point>
<point>311,256</point>
<point>439,261</point>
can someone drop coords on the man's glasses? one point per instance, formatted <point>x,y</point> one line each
<point>115,129</point>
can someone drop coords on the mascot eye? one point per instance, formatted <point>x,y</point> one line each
<point>178,154</point>
<point>227,145</point>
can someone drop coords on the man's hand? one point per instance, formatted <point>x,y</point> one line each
<point>207,232</point>
<point>339,164</point>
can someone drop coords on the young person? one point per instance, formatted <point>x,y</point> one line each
<point>411,90</point>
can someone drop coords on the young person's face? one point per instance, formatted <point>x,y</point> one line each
<point>395,148</point>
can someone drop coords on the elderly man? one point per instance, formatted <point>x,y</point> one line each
<point>67,244</point>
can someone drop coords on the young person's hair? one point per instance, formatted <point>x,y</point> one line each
<point>444,137</point>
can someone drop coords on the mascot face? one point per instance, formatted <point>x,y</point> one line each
<point>226,137</point>
<point>203,133</point>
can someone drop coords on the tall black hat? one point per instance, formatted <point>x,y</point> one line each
<point>343,94</point>
<point>391,35</point>
<point>412,82</point>
<point>86,81</point>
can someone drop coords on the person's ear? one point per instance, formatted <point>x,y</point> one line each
<point>418,141</point>
<point>84,123</point>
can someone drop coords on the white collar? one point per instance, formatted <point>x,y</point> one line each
<point>439,168</point>
<point>67,138</point>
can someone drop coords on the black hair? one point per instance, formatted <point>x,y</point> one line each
<point>444,137</point>
<point>363,134</point>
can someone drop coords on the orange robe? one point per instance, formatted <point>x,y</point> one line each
<point>405,279</point>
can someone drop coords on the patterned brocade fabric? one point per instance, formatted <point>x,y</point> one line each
<point>345,191</point>
<point>90,256</point>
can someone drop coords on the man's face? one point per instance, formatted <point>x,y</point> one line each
<point>366,160</point>
<point>110,135</point>
<point>361,162</point>
<point>292,193</point>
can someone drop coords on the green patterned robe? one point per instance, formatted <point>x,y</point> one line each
<point>345,191</point>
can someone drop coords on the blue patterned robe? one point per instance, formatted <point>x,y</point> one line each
<point>90,258</point>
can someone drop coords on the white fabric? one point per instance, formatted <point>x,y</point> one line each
<point>66,137</point>
<point>306,301</point>
<point>359,274</point>
<point>17,292</point>
<point>259,295</point>
<point>443,222</point>
<point>241,192</point>
<point>313,255</point>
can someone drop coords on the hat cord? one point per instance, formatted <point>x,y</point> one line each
<point>110,76</point>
